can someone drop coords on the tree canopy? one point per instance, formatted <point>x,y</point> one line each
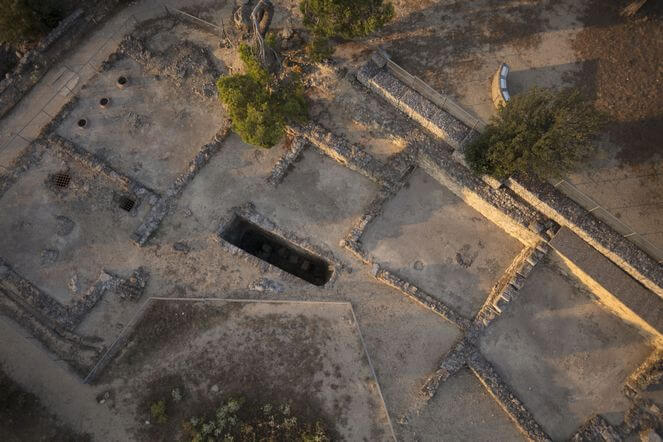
<point>345,18</point>
<point>539,132</point>
<point>260,104</point>
<point>22,20</point>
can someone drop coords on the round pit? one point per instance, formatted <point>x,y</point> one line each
<point>104,102</point>
<point>122,82</point>
<point>82,123</point>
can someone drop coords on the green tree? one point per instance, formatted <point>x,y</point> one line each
<point>341,18</point>
<point>539,132</point>
<point>345,18</point>
<point>22,20</point>
<point>259,104</point>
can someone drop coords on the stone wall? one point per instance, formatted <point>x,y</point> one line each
<point>552,203</point>
<point>285,162</point>
<point>614,288</point>
<point>507,288</point>
<point>346,153</point>
<point>530,210</point>
<point>161,207</point>
<point>431,117</point>
<point>513,216</point>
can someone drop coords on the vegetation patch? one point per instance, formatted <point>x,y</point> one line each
<point>26,20</point>
<point>174,407</point>
<point>238,420</point>
<point>346,19</point>
<point>539,132</point>
<point>260,104</point>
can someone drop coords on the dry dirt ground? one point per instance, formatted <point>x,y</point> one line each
<point>310,353</point>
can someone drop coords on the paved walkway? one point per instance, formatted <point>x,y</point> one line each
<point>55,89</point>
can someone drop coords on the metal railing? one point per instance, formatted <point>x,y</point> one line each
<point>214,29</point>
<point>442,101</point>
<point>604,215</point>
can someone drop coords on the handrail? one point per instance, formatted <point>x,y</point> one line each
<point>442,101</point>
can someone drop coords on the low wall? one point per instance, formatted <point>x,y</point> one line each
<point>614,288</point>
<point>439,122</point>
<point>529,206</point>
<point>346,153</point>
<point>566,212</point>
<point>514,217</point>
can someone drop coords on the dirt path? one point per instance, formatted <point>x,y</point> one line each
<point>60,390</point>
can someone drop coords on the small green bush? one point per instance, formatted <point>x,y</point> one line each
<point>259,104</point>
<point>539,132</point>
<point>235,420</point>
<point>25,20</point>
<point>158,412</point>
<point>319,49</point>
<point>345,18</point>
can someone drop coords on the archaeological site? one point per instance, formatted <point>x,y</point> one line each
<point>331,220</point>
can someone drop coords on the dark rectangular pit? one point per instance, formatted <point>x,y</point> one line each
<point>277,251</point>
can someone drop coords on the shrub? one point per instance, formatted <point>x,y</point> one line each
<point>22,20</point>
<point>238,421</point>
<point>539,132</point>
<point>341,18</point>
<point>319,49</point>
<point>259,104</point>
<point>345,18</point>
<point>158,412</point>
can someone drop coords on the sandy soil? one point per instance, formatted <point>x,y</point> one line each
<point>428,236</point>
<point>309,355</point>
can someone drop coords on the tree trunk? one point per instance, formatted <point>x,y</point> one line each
<point>632,8</point>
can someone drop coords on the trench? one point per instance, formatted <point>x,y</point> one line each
<point>277,251</point>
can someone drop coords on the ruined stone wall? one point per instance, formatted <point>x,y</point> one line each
<point>552,203</point>
<point>514,217</point>
<point>414,105</point>
<point>528,208</point>
<point>341,150</point>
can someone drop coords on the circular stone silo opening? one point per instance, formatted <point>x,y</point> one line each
<point>122,82</point>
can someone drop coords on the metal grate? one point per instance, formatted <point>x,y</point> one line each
<point>61,180</point>
<point>127,203</point>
